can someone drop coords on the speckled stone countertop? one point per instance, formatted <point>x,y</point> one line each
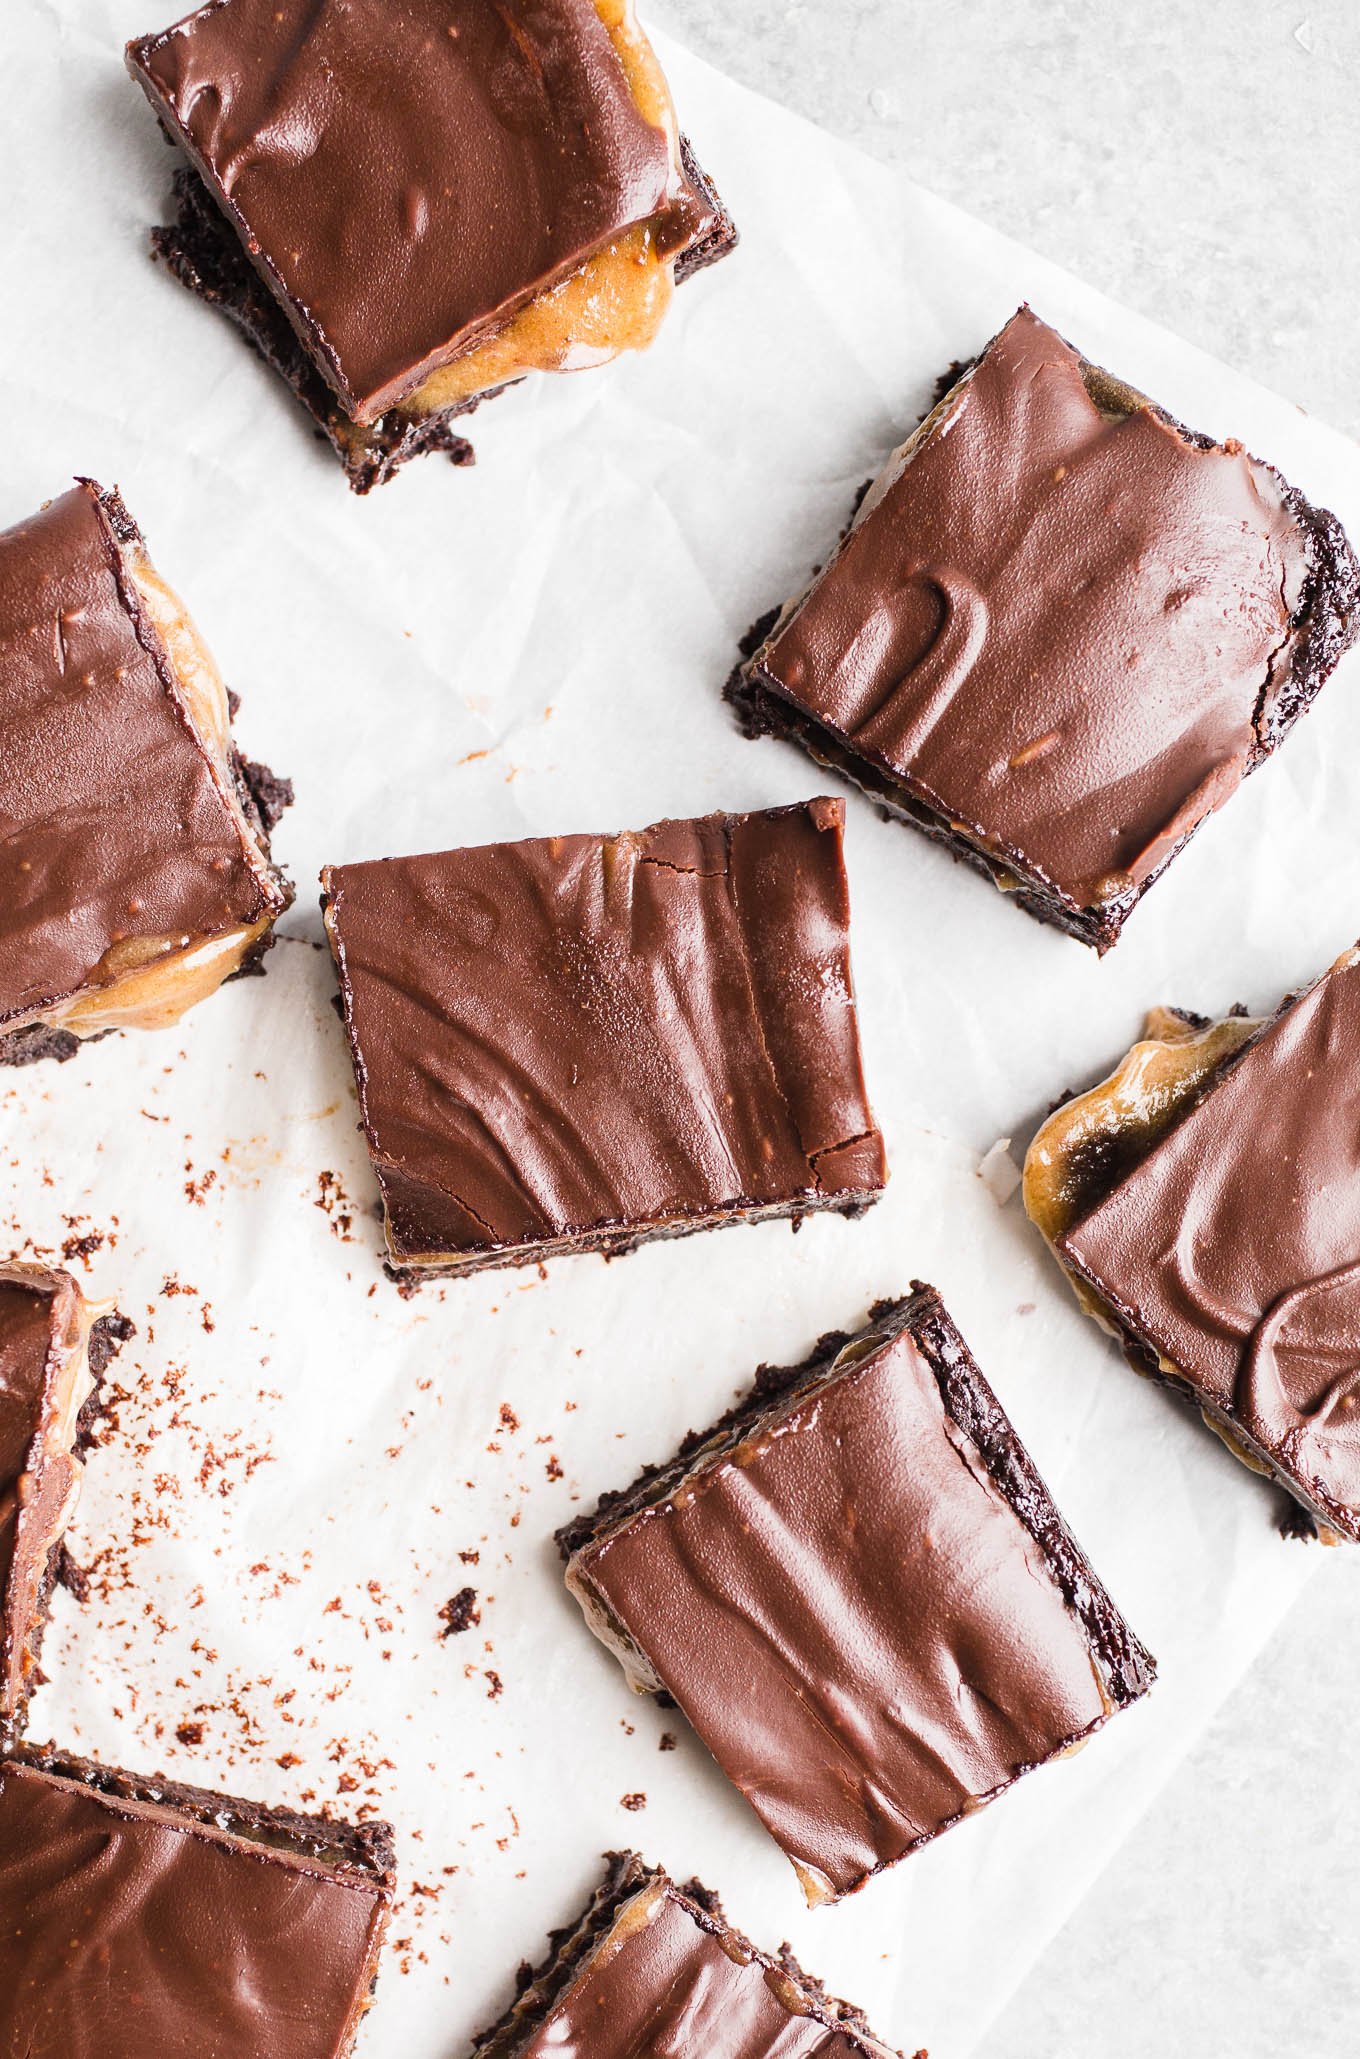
<point>1198,163</point>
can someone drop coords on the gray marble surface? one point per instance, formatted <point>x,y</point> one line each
<point>1197,159</point>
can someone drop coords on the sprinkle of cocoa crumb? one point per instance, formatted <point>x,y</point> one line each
<point>508,1419</point>
<point>633,1802</point>
<point>336,1205</point>
<point>667,1743</point>
<point>553,1468</point>
<point>189,1733</point>
<point>460,1612</point>
<point>495,1686</point>
<point>470,1558</point>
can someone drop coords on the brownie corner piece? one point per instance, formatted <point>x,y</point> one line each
<point>865,1535</point>
<point>655,1966</point>
<point>151,1905</point>
<point>1060,699</point>
<point>562,112</point>
<point>55,1347</point>
<point>137,877</point>
<point>579,1043</point>
<point>1204,1200</point>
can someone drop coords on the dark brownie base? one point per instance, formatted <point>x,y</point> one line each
<point>1127,1670</point>
<point>541,1987</point>
<point>263,797</point>
<point>107,1338</point>
<point>617,1242</point>
<point>1324,626</point>
<point>204,253</point>
<point>363,1849</point>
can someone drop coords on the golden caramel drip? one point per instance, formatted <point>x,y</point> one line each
<point>149,982</point>
<point>618,298</point>
<point>1134,1106</point>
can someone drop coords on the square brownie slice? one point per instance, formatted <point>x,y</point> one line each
<point>135,873</point>
<point>858,1590</point>
<point>54,1349</point>
<point>652,1967</point>
<point>575,1043</point>
<point>408,207</point>
<point>143,1920</point>
<point>1205,1200</point>
<point>1059,631</point>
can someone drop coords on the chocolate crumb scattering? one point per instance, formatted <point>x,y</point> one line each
<point>460,1612</point>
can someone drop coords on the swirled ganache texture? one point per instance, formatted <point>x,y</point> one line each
<point>405,174</point>
<point>1232,1250</point>
<point>1061,629</point>
<point>574,1042</point>
<point>132,1929</point>
<point>652,1970</point>
<point>863,1599</point>
<point>122,832</point>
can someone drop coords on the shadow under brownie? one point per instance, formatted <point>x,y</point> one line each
<point>857,1589</point>
<point>407,210</point>
<point>576,1043</point>
<point>135,871</point>
<point>1059,631</point>
<point>135,1909</point>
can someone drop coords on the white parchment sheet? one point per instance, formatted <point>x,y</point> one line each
<point>307,1466</point>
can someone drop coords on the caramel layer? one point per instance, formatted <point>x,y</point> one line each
<point>618,299</point>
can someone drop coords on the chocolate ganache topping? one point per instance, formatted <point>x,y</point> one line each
<point>115,826</point>
<point>1060,619</point>
<point>405,174</point>
<point>662,1982</point>
<point>556,1036</point>
<point>1233,1248</point>
<point>133,1933</point>
<point>854,1617</point>
<point>26,1349</point>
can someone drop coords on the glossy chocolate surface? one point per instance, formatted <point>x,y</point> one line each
<point>663,1982</point>
<point>559,1037</point>
<point>1062,622</point>
<point>114,826</point>
<point>27,1313</point>
<point>868,1607</point>
<point>406,173</point>
<point>132,1932</point>
<point>1233,1247</point>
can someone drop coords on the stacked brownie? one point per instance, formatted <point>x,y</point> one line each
<point>1058,632</point>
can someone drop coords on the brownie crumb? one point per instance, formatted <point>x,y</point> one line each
<point>633,1802</point>
<point>270,794</point>
<point>189,1733</point>
<point>70,1575</point>
<point>667,1743</point>
<point>460,1612</point>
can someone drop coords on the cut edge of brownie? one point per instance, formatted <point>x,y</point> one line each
<point>362,1851</point>
<point>608,1241</point>
<point>202,250</point>
<point>1127,1668</point>
<point>108,1334</point>
<point>1324,625</point>
<point>540,1988</point>
<point>262,795</point>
